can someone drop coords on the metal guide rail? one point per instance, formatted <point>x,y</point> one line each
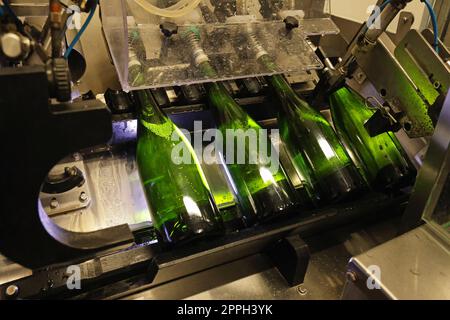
<point>145,265</point>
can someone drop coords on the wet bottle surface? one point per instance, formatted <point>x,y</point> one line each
<point>380,159</point>
<point>317,152</point>
<point>261,187</point>
<point>178,194</point>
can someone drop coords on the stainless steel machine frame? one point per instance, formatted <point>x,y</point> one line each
<point>414,265</point>
<point>141,271</point>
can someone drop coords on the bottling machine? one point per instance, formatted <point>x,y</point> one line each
<point>74,222</point>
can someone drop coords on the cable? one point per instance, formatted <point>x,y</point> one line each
<point>435,24</point>
<point>83,28</point>
<point>384,4</point>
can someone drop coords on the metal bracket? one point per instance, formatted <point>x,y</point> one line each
<point>396,87</point>
<point>74,199</point>
<point>405,22</point>
<point>429,179</point>
<point>291,257</point>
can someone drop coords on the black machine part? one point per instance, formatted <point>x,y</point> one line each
<point>38,135</point>
<point>57,183</point>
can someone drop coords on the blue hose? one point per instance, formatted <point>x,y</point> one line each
<point>384,4</point>
<point>435,24</point>
<point>80,33</point>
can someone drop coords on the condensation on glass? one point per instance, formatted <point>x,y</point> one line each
<point>166,61</point>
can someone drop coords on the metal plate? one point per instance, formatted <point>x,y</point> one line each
<point>429,73</point>
<point>74,199</point>
<point>398,87</point>
<point>413,266</point>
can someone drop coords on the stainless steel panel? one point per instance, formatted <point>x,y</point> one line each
<point>412,266</point>
<point>433,174</point>
<point>117,196</point>
<point>11,271</point>
<point>74,199</point>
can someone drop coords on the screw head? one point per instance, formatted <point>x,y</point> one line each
<point>407,125</point>
<point>12,291</point>
<point>351,276</point>
<point>301,289</point>
<point>84,197</point>
<point>437,84</point>
<point>77,156</point>
<point>54,203</point>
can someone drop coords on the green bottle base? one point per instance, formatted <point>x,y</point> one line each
<point>342,184</point>
<point>269,203</point>
<point>306,199</point>
<point>232,219</point>
<point>181,231</point>
<point>390,178</point>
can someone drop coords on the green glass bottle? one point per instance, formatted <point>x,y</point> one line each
<point>178,195</point>
<point>317,152</point>
<point>381,159</point>
<point>262,192</point>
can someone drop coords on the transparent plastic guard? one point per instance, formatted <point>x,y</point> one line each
<point>136,41</point>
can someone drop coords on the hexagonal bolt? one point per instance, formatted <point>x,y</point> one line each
<point>83,197</point>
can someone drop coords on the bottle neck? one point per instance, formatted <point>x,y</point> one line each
<point>281,86</point>
<point>220,99</point>
<point>290,100</point>
<point>148,109</point>
<point>224,105</point>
